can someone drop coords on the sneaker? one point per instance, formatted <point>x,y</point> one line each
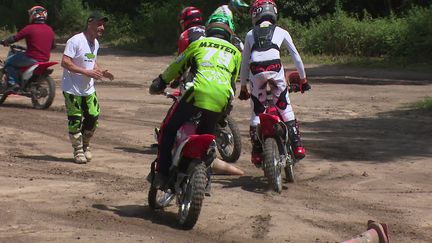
<point>299,152</point>
<point>257,159</point>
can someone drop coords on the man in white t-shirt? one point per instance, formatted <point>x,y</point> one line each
<point>80,71</point>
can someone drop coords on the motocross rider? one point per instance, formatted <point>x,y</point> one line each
<point>227,10</point>
<point>261,58</point>
<point>39,39</point>
<point>215,65</point>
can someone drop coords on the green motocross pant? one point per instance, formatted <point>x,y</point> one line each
<point>82,111</point>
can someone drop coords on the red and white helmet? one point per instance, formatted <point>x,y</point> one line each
<point>263,10</point>
<point>37,14</point>
<point>189,17</point>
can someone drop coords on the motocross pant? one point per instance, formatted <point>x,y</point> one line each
<point>180,113</point>
<point>82,111</point>
<point>278,87</point>
<point>15,61</point>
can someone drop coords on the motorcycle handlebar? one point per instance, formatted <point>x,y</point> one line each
<point>18,47</point>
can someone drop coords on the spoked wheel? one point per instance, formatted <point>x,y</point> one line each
<point>3,85</point>
<point>272,165</point>
<point>228,140</point>
<point>43,92</point>
<point>289,167</point>
<point>190,202</point>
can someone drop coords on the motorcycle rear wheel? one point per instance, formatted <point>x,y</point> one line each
<point>272,169</point>
<point>191,201</point>
<point>3,85</point>
<point>228,140</point>
<point>43,92</point>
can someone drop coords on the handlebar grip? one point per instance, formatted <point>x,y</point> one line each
<point>18,47</point>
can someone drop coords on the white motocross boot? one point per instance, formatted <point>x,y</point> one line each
<point>77,144</point>
<point>87,134</point>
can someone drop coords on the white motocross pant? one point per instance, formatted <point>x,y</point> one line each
<point>276,82</point>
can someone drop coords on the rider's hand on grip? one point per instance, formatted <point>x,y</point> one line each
<point>304,85</point>
<point>158,86</point>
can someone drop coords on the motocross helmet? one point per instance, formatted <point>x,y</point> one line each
<point>37,14</point>
<point>262,10</point>
<point>189,17</point>
<point>220,25</point>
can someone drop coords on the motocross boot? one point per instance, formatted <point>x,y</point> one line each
<point>256,155</point>
<point>294,136</point>
<point>87,135</point>
<point>77,144</point>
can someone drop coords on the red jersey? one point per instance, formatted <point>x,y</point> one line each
<point>39,39</point>
<point>190,35</point>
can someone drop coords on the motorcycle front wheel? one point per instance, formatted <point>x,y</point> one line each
<point>190,202</point>
<point>272,169</point>
<point>43,92</point>
<point>228,140</point>
<point>3,85</point>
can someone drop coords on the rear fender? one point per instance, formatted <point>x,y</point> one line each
<point>268,123</point>
<point>197,146</point>
<point>38,68</point>
<point>43,66</point>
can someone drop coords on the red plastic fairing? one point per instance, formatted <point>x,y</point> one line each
<point>197,145</point>
<point>43,66</point>
<point>176,93</point>
<point>267,122</point>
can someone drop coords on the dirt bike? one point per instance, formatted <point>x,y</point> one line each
<point>35,81</point>
<point>227,133</point>
<point>272,133</point>
<point>192,156</point>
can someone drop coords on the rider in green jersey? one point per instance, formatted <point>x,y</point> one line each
<point>215,64</point>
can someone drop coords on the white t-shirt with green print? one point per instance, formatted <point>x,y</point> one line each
<point>84,55</point>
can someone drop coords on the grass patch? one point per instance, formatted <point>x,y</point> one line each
<point>425,104</point>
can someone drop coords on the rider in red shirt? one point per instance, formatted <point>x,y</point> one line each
<point>39,39</point>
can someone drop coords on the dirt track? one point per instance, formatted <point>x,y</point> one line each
<point>369,157</point>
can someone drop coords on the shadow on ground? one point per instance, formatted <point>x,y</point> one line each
<point>48,158</point>
<point>143,212</point>
<point>387,137</point>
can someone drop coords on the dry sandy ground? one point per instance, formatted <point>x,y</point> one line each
<point>369,157</point>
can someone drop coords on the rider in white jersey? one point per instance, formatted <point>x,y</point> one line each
<point>261,63</point>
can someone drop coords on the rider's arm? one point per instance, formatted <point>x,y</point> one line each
<point>179,66</point>
<point>246,54</point>
<point>288,42</point>
<point>9,40</point>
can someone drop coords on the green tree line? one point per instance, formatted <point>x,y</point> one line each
<point>390,28</point>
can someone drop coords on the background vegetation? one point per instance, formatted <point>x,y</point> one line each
<point>397,30</point>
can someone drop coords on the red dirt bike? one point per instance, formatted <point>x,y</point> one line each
<point>228,138</point>
<point>272,132</point>
<point>192,156</point>
<point>35,81</point>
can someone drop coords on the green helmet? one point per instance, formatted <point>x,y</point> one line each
<point>238,4</point>
<point>220,24</point>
